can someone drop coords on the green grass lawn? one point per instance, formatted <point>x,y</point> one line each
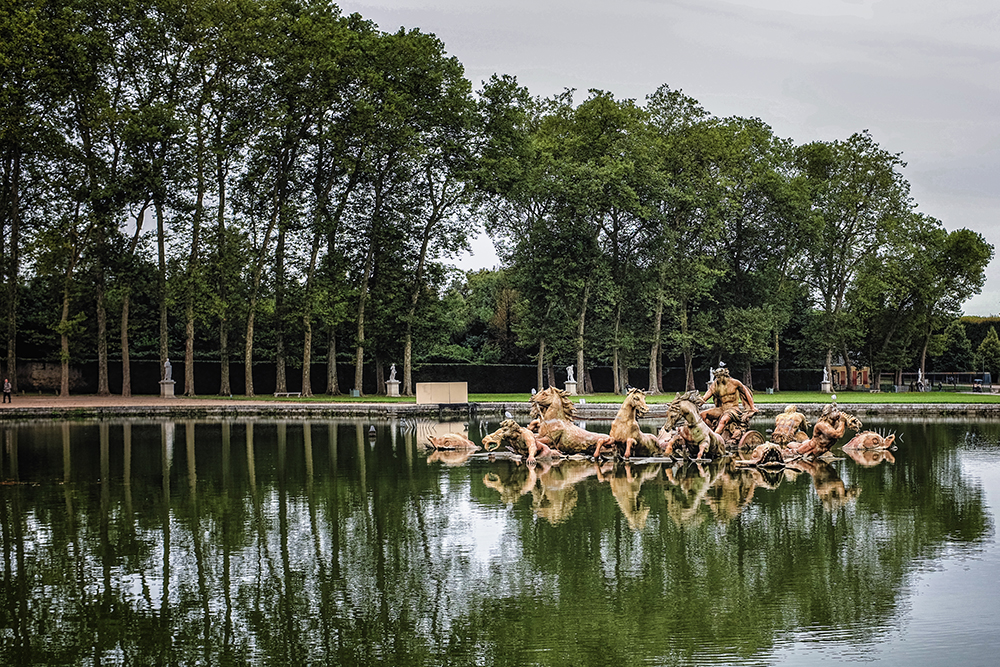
<point>785,397</point>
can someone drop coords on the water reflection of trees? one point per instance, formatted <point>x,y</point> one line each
<point>269,542</point>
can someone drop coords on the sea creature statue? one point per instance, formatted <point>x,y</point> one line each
<point>520,440</point>
<point>767,455</point>
<point>451,449</point>
<point>696,438</point>
<point>553,415</point>
<point>625,428</point>
<point>451,441</point>
<point>871,440</point>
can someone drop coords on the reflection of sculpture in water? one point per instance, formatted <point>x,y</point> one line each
<point>555,496</point>
<point>727,393</point>
<point>450,457</point>
<point>689,487</point>
<point>869,458</point>
<point>790,426</point>
<point>551,485</point>
<point>625,486</point>
<point>511,480</point>
<point>830,488</point>
<point>733,491</point>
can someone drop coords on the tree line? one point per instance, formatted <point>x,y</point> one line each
<point>248,179</point>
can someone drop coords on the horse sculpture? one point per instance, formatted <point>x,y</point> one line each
<point>625,428</point>
<point>518,439</point>
<point>552,414</point>
<point>692,433</point>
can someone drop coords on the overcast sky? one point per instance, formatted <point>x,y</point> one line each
<point>923,76</point>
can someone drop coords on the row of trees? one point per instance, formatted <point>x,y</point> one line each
<point>265,174</point>
<point>639,233</point>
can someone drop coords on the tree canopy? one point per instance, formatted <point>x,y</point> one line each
<point>290,181</point>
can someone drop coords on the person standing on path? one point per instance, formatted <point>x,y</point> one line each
<point>6,390</point>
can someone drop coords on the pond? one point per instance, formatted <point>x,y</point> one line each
<point>318,542</point>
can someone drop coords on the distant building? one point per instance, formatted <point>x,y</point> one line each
<point>859,376</point>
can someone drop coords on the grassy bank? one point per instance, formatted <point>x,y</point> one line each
<point>803,397</point>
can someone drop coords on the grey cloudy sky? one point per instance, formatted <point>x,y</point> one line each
<point>923,76</point>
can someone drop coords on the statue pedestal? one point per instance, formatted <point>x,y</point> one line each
<point>571,388</point>
<point>826,387</point>
<point>166,388</point>
<point>392,388</point>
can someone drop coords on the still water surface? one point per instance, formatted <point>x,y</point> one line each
<point>264,542</point>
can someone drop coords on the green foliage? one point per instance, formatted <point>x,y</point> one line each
<point>956,354</point>
<point>316,174</point>
<point>988,353</point>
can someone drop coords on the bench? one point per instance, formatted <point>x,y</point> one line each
<point>287,393</point>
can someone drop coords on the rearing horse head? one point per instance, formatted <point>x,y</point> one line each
<point>681,406</point>
<point>636,398</point>
<point>552,403</point>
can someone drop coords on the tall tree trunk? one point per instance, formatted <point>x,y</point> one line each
<point>192,271</point>
<point>408,361</point>
<point>189,347</point>
<point>307,337</point>
<point>775,384</point>
<point>126,302</point>
<point>615,359</point>
<point>248,349</point>
<point>225,385</point>
<point>280,376</point>
<point>13,264</point>
<point>541,365</point>
<point>126,364</point>
<point>161,281</point>
<point>307,318</point>
<point>580,328</point>
<point>359,351</point>
<point>64,343</point>
<point>552,374</point>
<point>848,367</point>
<point>102,340</point>
<point>332,383</point>
<point>829,364</point>
<point>686,350</point>
<point>654,352</point>
<point>252,311</point>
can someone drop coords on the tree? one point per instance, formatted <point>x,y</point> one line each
<point>861,204</point>
<point>956,355</point>
<point>988,353</point>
